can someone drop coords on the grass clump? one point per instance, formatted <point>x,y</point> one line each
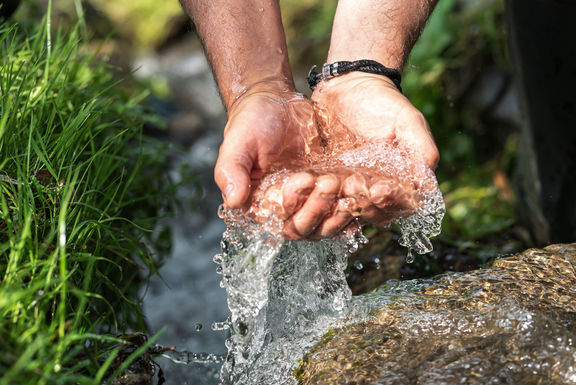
<point>72,177</point>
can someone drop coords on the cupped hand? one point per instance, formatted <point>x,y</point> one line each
<point>267,131</point>
<point>359,108</point>
<point>264,128</point>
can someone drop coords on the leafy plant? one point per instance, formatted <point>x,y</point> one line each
<point>75,205</point>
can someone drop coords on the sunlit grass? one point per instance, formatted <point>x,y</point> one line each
<point>71,171</point>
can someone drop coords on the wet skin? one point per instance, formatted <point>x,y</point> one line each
<point>271,129</point>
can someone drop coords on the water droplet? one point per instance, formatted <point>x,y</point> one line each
<point>352,246</point>
<point>409,256</point>
<point>358,265</point>
<point>338,303</point>
<point>241,328</point>
<point>187,358</point>
<point>219,270</point>
<point>318,280</point>
<point>198,327</point>
<point>221,212</point>
<point>217,259</point>
<point>217,326</point>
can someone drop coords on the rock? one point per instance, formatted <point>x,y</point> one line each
<point>514,322</point>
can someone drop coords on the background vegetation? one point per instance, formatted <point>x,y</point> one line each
<point>79,191</point>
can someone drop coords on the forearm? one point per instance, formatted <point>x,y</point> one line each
<point>245,43</point>
<point>381,30</point>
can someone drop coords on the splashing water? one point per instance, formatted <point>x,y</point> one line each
<point>283,295</point>
<point>413,196</point>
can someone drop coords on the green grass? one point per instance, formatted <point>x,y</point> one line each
<point>73,178</point>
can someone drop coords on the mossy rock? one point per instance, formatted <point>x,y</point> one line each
<point>511,323</point>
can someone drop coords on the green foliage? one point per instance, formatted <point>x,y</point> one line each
<point>308,24</point>
<point>76,193</point>
<point>458,43</point>
<point>474,210</point>
<point>128,26</point>
<point>454,40</point>
<point>145,23</point>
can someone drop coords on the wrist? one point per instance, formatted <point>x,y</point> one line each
<point>354,80</point>
<point>276,88</point>
<point>366,31</point>
<point>277,85</point>
<point>380,30</point>
<point>391,57</point>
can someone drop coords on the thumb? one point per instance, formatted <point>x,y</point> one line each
<point>416,134</point>
<point>232,175</point>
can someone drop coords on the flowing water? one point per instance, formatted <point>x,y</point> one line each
<point>293,319</point>
<point>284,295</point>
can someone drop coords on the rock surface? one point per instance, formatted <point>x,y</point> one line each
<point>512,323</point>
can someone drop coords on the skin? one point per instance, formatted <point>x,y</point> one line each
<point>270,124</point>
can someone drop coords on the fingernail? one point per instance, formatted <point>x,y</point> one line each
<point>328,196</point>
<point>228,190</point>
<point>304,191</point>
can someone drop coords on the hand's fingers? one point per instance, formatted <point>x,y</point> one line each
<point>356,185</point>
<point>386,194</point>
<point>379,201</point>
<point>295,191</point>
<point>232,174</point>
<point>390,201</point>
<point>336,222</point>
<point>356,189</point>
<point>415,133</point>
<point>316,207</point>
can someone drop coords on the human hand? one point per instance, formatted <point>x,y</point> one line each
<point>359,108</point>
<point>266,131</point>
<point>271,130</point>
<point>264,128</point>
